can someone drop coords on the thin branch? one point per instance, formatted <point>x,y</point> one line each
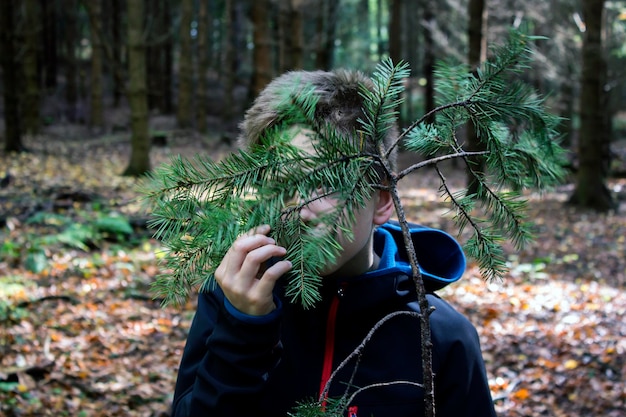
<point>425,309</point>
<point>435,161</point>
<point>382,384</point>
<point>416,123</point>
<point>359,349</point>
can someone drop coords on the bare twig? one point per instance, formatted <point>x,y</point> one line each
<point>359,349</point>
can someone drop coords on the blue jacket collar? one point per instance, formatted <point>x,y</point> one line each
<point>439,255</point>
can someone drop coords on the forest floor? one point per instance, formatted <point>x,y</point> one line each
<point>80,334</point>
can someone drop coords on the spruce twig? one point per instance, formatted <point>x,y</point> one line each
<point>194,204</point>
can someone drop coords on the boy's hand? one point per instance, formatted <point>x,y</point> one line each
<point>241,274</point>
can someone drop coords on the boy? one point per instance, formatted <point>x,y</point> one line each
<point>249,353</point>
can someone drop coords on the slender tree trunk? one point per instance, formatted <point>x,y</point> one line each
<point>261,58</point>
<point>116,39</point>
<point>395,30</point>
<point>71,63</point>
<point>168,60</point>
<point>413,50</point>
<point>184,113</point>
<point>477,50</point>
<point>428,65</point>
<point>593,146</point>
<point>153,54</point>
<point>297,47</point>
<point>326,28</point>
<point>566,106</point>
<point>139,162</point>
<point>96,81</point>
<point>379,28</point>
<point>285,40</point>
<point>49,42</point>
<point>228,58</point>
<point>363,27</point>
<point>10,70</point>
<point>29,63</point>
<point>203,67</point>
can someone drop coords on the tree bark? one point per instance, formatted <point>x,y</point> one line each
<point>326,28</point>
<point>228,62</point>
<point>13,134</point>
<point>139,162</point>
<point>71,64</point>
<point>116,40</point>
<point>284,36</point>
<point>168,60</point>
<point>593,146</point>
<point>203,68</point>
<point>476,53</point>
<point>428,65</point>
<point>49,42</point>
<point>261,57</point>
<point>395,30</point>
<point>297,47</point>
<point>184,112</point>
<point>379,28</point>
<point>97,111</point>
<point>154,52</point>
<point>29,64</point>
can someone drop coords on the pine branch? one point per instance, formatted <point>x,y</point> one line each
<point>200,207</point>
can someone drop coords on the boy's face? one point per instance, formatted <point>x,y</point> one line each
<point>357,255</point>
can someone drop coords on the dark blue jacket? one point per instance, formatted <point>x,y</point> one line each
<point>236,365</point>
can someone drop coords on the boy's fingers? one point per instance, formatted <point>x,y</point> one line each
<point>244,245</point>
<point>255,258</point>
<point>263,288</point>
<point>263,229</point>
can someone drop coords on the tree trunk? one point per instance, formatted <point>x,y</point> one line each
<point>29,64</point>
<point>203,67</point>
<point>363,28</point>
<point>262,59</point>
<point>49,42</point>
<point>565,106</point>
<point>593,145</point>
<point>71,64</point>
<point>297,47</point>
<point>153,54</point>
<point>116,39</point>
<point>227,73</point>
<point>97,111</point>
<point>428,65</point>
<point>413,51</point>
<point>168,60</point>
<point>139,162</point>
<point>395,30</point>
<point>13,134</point>
<point>380,45</point>
<point>476,53</point>
<point>326,27</point>
<point>184,112</point>
<point>284,36</point>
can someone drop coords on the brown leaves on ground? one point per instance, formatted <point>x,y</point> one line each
<point>83,337</point>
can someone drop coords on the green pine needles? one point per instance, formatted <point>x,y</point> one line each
<point>200,206</point>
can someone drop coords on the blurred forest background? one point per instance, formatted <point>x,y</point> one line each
<point>116,65</point>
<point>94,93</point>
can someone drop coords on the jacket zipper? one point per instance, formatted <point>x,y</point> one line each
<point>329,348</point>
